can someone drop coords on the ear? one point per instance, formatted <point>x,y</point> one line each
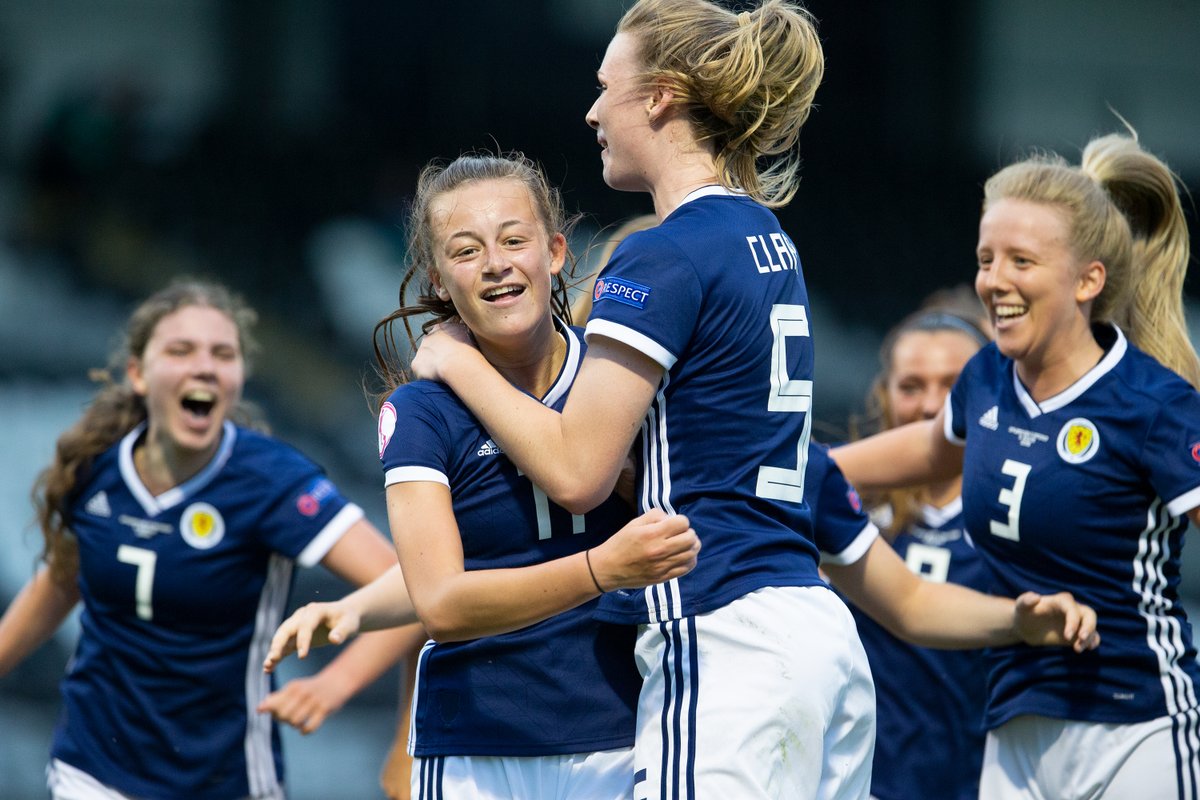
<point>438,288</point>
<point>133,373</point>
<point>659,101</point>
<point>558,253</point>
<point>1091,282</point>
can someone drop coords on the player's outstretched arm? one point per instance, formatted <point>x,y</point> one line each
<point>305,703</point>
<point>383,603</point>
<point>949,616</point>
<point>911,454</point>
<point>33,616</point>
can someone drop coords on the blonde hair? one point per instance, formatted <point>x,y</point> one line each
<point>116,409</point>
<point>435,180</point>
<point>1123,209</point>
<point>746,81</point>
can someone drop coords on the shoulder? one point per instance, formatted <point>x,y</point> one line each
<point>1142,374</point>
<point>423,399</point>
<point>262,454</point>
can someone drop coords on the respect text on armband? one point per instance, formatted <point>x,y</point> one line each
<point>773,252</point>
<point>621,290</point>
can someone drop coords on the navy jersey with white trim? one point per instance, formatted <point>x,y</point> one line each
<point>181,594</point>
<point>565,685</point>
<point>716,296</point>
<point>1084,492</point>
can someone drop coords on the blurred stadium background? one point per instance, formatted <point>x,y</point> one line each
<point>272,145</point>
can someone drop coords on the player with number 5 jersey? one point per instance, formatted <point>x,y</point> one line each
<point>701,351</point>
<point>1080,470</point>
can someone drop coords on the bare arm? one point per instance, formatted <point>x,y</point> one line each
<point>946,615</point>
<point>911,454</point>
<point>359,556</point>
<point>457,604</point>
<point>574,456</point>
<point>34,615</point>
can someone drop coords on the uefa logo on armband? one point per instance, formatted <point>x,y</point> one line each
<point>621,290</point>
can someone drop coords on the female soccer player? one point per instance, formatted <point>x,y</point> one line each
<point>929,703</point>
<point>179,529</point>
<point>521,693</point>
<point>1081,469</point>
<point>699,340</point>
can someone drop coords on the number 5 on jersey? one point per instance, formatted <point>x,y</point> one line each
<point>790,396</point>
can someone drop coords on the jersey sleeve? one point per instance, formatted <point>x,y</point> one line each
<point>412,441</point>
<point>1171,453</point>
<point>647,297</point>
<point>310,515</point>
<point>954,418</point>
<point>841,527</point>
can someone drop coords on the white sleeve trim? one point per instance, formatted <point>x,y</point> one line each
<point>638,341</point>
<point>324,541</point>
<point>948,424</point>
<point>856,549</point>
<point>413,474</point>
<point>1184,503</point>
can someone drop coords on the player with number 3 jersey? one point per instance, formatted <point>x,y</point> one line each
<point>1080,469</point>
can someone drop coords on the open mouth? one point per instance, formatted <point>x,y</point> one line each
<point>1009,311</point>
<point>502,292</point>
<point>199,403</point>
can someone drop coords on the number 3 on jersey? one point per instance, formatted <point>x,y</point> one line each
<point>1011,529</point>
<point>787,395</point>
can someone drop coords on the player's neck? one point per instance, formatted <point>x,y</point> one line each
<point>531,369</point>
<point>161,468</point>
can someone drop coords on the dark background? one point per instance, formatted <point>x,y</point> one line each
<point>273,145</point>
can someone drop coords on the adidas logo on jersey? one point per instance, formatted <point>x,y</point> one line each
<point>991,419</point>
<point>489,448</point>
<point>98,506</point>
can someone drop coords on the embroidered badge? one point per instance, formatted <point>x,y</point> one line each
<point>1078,441</point>
<point>202,526</point>
<point>387,426</point>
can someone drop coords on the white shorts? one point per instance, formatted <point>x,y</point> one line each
<point>768,697</point>
<point>71,783</point>
<point>606,775</point>
<point>1040,758</point>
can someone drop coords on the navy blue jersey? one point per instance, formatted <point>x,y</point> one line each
<point>181,594</point>
<point>715,295</point>
<point>567,684</point>
<point>1084,491</point>
<point>842,529</point>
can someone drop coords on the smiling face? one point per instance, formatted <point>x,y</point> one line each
<point>620,115</point>
<point>495,260</point>
<point>924,367</point>
<point>190,373</point>
<point>1037,292</point>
